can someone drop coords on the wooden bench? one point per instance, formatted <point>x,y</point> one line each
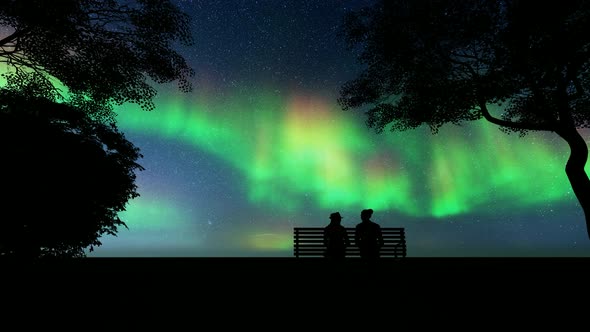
<point>309,242</point>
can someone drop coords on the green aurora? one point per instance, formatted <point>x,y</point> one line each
<point>288,147</point>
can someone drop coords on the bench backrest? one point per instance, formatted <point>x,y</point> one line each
<point>309,242</point>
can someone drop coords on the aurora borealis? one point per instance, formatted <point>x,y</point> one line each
<point>260,146</point>
<point>301,149</point>
<point>233,176</point>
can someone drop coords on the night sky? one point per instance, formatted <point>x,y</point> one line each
<point>260,146</point>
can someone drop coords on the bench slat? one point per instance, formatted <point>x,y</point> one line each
<point>308,242</point>
<point>321,237</point>
<point>350,230</point>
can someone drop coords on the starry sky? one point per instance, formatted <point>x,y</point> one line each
<point>260,146</point>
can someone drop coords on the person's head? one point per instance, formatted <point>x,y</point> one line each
<point>335,217</point>
<point>366,214</point>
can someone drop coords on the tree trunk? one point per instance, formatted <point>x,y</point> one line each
<point>574,169</point>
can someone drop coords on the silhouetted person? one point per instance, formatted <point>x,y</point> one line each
<point>368,236</point>
<point>335,237</point>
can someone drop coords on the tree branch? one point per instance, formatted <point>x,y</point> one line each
<point>510,124</point>
<point>4,52</point>
<point>12,37</point>
<point>466,56</point>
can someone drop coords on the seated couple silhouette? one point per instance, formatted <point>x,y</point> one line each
<point>367,236</point>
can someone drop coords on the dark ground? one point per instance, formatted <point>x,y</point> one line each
<point>289,272</point>
<point>290,266</point>
<point>302,288</point>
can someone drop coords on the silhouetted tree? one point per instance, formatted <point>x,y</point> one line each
<point>104,50</point>
<point>65,177</point>
<point>431,62</point>
<point>67,171</point>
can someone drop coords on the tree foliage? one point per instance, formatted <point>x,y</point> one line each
<point>67,170</point>
<point>108,51</point>
<point>66,177</point>
<point>432,62</point>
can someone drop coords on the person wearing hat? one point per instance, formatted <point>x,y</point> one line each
<point>335,237</point>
